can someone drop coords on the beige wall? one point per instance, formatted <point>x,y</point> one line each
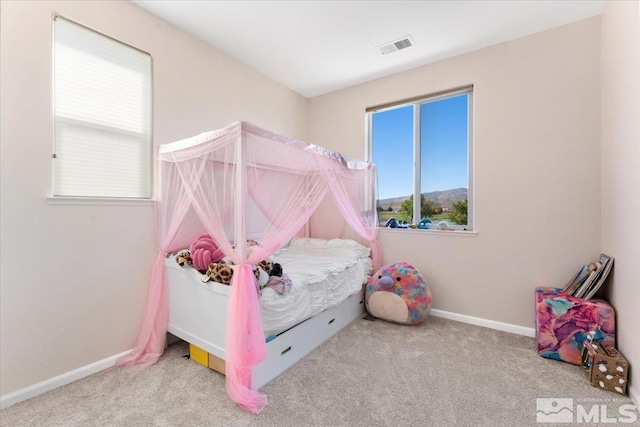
<point>74,278</point>
<point>536,162</point>
<point>621,171</point>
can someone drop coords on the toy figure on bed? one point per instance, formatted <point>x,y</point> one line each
<point>398,293</point>
<point>184,258</point>
<point>279,281</point>
<point>205,256</point>
<point>222,272</point>
<point>267,274</point>
<point>203,252</point>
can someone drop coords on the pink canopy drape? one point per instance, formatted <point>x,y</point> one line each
<point>354,193</point>
<point>240,183</point>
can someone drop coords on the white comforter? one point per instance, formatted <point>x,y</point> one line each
<point>324,273</point>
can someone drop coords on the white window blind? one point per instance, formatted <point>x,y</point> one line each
<point>102,115</point>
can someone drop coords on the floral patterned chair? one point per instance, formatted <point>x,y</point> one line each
<point>563,322</point>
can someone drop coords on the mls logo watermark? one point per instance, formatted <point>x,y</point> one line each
<point>552,410</point>
<point>585,410</point>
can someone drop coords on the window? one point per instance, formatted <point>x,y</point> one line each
<point>102,115</point>
<point>422,151</point>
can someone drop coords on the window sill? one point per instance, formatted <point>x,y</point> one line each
<point>459,233</point>
<point>99,201</point>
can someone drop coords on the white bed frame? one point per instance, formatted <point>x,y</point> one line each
<point>198,315</point>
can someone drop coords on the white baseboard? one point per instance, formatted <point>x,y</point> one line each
<point>492,324</point>
<point>55,382</point>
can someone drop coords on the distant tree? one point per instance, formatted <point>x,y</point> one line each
<point>459,212</point>
<point>438,210</point>
<point>427,207</point>
<point>390,209</point>
<point>406,207</point>
<point>380,209</point>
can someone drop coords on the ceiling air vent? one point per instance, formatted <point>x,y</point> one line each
<point>396,45</point>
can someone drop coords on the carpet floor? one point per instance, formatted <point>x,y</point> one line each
<point>372,373</point>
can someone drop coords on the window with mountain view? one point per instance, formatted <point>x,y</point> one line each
<point>422,151</point>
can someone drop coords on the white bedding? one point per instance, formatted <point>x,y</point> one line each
<point>324,273</point>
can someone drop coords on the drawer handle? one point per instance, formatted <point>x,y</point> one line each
<point>286,350</point>
<point>332,320</point>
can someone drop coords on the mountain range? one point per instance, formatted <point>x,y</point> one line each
<point>444,198</point>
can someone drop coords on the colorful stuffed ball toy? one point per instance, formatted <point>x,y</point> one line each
<point>398,293</point>
<point>204,251</point>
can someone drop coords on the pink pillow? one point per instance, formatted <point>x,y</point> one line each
<point>204,251</point>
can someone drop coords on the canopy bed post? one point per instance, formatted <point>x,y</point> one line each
<point>245,344</point>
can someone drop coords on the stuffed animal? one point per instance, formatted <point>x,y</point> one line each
<point>222,272</point>
<point>204,251</point>
<point>276,270</point>
<point>267,266</point>
<point>424,224</point>
<point>398,293</point>
<point>250,244</point>
<point>184,258</point>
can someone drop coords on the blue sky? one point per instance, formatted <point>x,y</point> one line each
<point>443,145</point>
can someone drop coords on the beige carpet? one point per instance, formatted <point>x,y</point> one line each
<point>441,373</point>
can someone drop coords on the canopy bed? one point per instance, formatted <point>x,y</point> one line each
<point>234,184</point>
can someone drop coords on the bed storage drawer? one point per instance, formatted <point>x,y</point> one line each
<point>292,345</point>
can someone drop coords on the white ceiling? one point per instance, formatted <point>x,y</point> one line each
<point>315,47</point>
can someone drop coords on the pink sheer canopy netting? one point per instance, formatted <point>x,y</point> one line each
<point>242,182</point>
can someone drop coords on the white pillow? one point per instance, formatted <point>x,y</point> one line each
<point>359,249</point>
<point>308,242</point>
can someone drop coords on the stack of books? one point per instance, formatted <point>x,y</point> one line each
<point>589,278</point>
